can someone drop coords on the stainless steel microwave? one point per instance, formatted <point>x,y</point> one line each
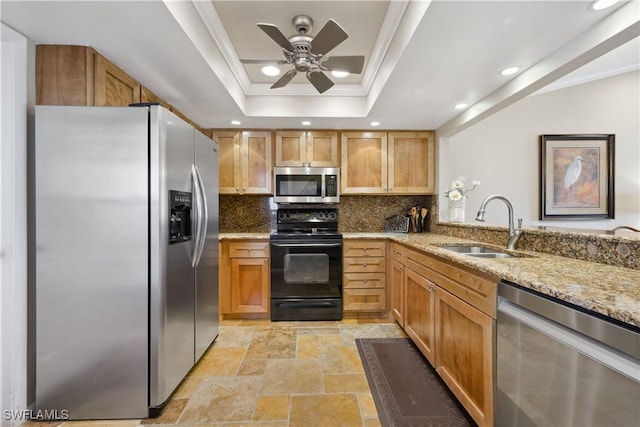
<point>306,185</point>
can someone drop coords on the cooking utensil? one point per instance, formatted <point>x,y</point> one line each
<point>423,218</point>
<point>414,217</point>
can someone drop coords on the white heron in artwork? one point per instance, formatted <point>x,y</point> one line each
<point>573,173</point>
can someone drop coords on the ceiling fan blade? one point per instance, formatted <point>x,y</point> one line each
<point>263,61</point>
<point>277,36</point>
<point>351,64</point>
<point>330,36</point>
<point>320,81</point>
<point>285,79</point>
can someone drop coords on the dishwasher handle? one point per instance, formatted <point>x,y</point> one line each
<point>601,353</point>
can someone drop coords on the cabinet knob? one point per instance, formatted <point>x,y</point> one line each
<point>365,299</point>
<point>366,280</point>
<point>364,265</point>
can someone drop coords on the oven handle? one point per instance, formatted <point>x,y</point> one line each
<point>305,304</point>
<point>306,245</point>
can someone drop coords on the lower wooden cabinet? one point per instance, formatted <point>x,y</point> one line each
<point>364,276</point>
<point>454,335</point>
<point>420,314</point>
<point>464,354</point>
<point>395,281</point>
<point>244,277</point>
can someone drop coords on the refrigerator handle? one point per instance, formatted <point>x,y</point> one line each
<point>203,216</point>
<point>198,216</point>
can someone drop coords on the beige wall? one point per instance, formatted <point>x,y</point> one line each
<point>502,150</point>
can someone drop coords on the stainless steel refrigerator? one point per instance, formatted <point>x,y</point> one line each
<point>126,257</point>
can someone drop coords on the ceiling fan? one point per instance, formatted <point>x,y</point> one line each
<point>307,54</point>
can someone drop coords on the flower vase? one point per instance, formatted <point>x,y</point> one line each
<point>456,210</point>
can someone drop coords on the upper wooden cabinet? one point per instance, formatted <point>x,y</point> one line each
<point>113,87</point>
<point>244,161</point>
<point>388,163</point>
<point>364,163</point>
<point>312,149</point>
<point>411,165</point>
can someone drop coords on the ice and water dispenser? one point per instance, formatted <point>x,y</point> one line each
<point>179,216</point>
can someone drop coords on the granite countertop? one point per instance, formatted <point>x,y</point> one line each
<point>608,290</point>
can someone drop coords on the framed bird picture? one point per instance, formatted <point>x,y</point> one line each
<point>577,176</point>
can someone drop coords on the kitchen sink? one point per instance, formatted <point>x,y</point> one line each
<point>477,251</point>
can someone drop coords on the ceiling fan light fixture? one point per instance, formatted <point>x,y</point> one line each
<point>339,74</point>
<point>270,70</point>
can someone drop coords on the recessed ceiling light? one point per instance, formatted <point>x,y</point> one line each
<point>236,122</point>
<point>460,106</point>
<point>306,123</point>
<point>270,70</point>
<point>374,123</point>
<point>601,4</point>
<point>509,71</point>
<point>339,74</point>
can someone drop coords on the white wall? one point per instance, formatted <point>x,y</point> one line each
<point>502,151</point>
<point>18,56</point>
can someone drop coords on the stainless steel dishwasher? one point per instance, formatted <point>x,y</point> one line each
<point>558,365</point>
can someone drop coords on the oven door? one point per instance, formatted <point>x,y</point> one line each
<point>306,279</point>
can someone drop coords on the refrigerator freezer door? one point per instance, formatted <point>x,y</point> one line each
<point>172,276</point>
<point>91,261</point>
<point>206,160</point>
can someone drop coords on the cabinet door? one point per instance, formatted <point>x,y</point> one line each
<point>464,346</point>
<point>256,162</point>
<point>249,285</point>
<point>420,303</point>
<point>291,148</point>
<point>63,75</point>
<point>322,149</point>
<point>364,163</point>
<point>147,96</point>
<point>411,162</point>
<point>228,161</point>
<point>112,86</point>
<point>396,283</point>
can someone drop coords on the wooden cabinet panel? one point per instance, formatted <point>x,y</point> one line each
<point>464,350</point>
<point>364,276</point>
<point>228,161</point>
<point>364,265</point>
<point>361,248</point>
<point>244,277</point>
<point>256,162</point>
<point>364,163</point>
<point>396,284</point>
<point>364,299</point>
<point>113,87</point>
<point>250,285</point>
<point>291,148</point>
<point>322,149</point>
<point>363,280</point>
<point>312,149</point>
<point>411,162</point>
<point>64,75</point>
<point>251,249</point>
<point>420,316</point>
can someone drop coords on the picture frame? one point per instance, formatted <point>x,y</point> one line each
<point>577,176</point>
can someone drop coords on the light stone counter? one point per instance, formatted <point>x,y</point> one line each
<point>608,290</point>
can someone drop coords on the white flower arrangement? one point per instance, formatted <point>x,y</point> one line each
<point>457,191</point>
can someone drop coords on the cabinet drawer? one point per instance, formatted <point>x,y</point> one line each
<point>363,280</point>
<point>249,249</point>
<point>363,248</point>
<point>363,299</point>
<point>364,265</point>
<point>397,252</point>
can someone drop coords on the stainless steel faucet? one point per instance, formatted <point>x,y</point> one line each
<point>514,235</point>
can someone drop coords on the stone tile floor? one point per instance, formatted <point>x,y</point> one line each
<point>274,374</point>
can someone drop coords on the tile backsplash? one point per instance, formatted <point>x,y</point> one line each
<point>257,214</point>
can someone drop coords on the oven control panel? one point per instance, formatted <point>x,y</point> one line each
<point>325,215</point>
